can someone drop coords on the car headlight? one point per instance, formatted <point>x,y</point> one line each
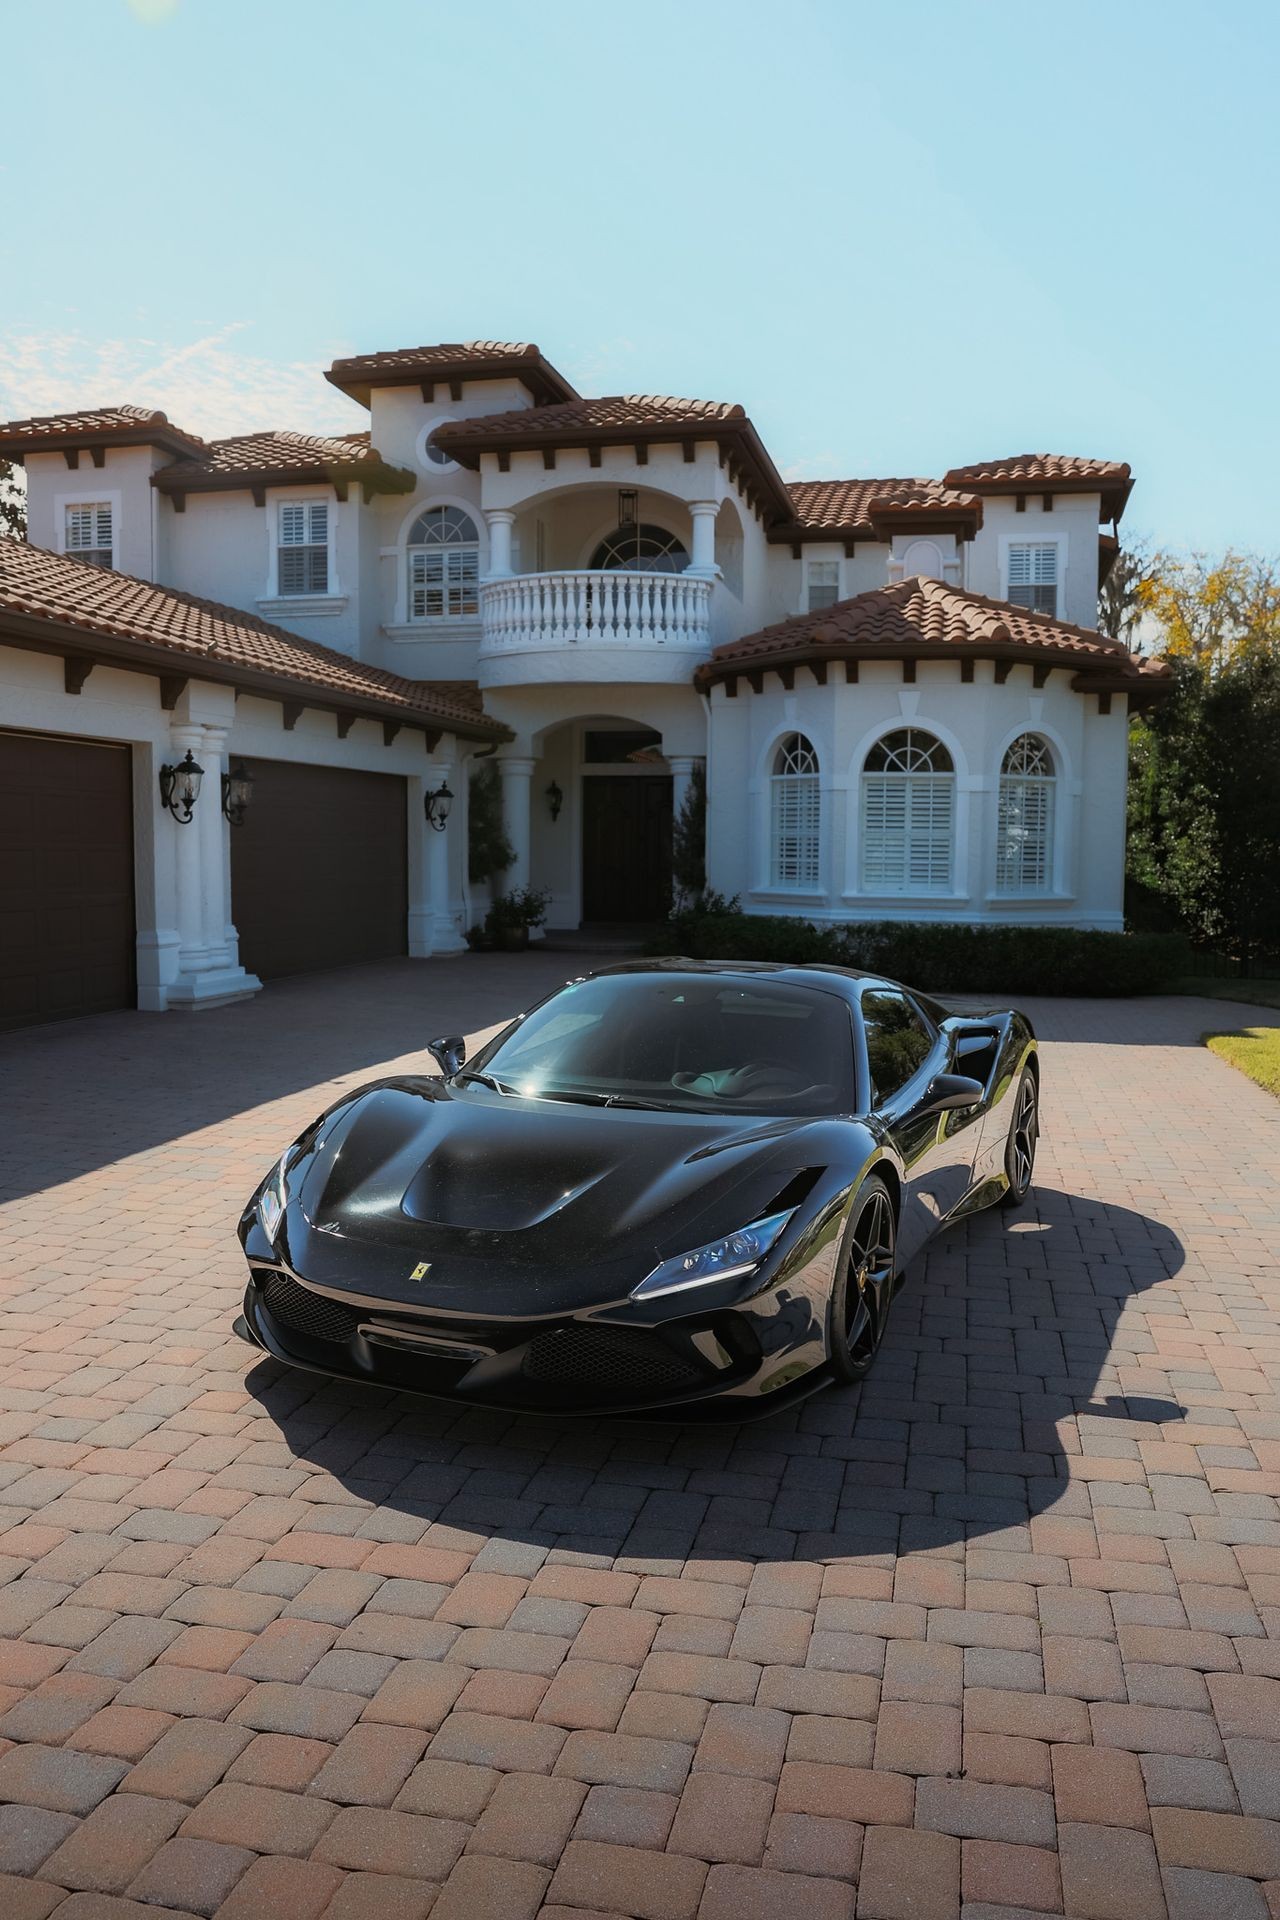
<point>737,1253</point>
<point>273,1199</point>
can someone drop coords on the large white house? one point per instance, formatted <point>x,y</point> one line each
<point>895,686</point>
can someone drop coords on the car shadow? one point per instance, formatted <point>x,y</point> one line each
<point>1007,1346</point>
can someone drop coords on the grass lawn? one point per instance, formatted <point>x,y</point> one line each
<point>1255,1051</point>
<point>1249,993</point>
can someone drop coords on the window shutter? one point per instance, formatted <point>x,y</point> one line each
<point>906,832</point>
<point>823,583</point>
<point>88,532</point>
<point>797,806</point>
<point>1033,576</point>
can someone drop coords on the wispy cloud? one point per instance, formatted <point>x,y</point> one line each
<point>213,386</point>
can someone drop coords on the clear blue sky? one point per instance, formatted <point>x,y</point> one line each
<point>904,236</point>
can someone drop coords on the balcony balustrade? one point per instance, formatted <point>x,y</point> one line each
<point>539,611</point>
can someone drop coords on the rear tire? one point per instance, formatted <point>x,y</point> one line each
<point>1020,1148</point>
<point>867,1271</point>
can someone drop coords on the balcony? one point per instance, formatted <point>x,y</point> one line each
<point>593,625</point>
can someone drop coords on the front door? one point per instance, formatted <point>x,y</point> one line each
<point>626,847</point>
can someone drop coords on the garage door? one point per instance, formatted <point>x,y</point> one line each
<point>318,869</point>
<point>67,938</point>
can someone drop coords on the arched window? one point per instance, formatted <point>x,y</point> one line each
<point>795,814</point>
<point>908,808</point>
<point>1024,821</point>
<point>444,565</point>
<point>641,549</point>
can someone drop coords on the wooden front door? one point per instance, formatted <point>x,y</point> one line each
<point>626,847</point>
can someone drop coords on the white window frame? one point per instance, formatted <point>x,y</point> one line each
<point>919,792</point>
<point>1020,539</point>
<point>805,791</point>
<point>449,617</point>
<point>810,606</point>
<point>1046,786</point>
<point>425,463</point>
<point>308,508</point>
<point>311,605</point>
<point>88,497</point>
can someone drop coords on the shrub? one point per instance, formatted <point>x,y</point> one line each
<point>939,957</point>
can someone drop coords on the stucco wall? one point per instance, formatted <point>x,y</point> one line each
<point>1072,523</point>
<point>123,480</point>
<point>976,722</point>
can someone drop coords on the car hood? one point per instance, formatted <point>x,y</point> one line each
<point>514,1205</point>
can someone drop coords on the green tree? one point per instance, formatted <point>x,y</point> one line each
<point>13,503</point>
<point>1204,773</point>
<point>689,841</point>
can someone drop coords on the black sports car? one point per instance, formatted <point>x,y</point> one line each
<point>669,1181</point>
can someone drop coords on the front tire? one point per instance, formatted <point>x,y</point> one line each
<point>867,1270</point>
<point>1020,1149</point>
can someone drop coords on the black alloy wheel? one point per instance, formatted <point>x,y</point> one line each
<point>1020,1153</point>
<point>860,1300</point>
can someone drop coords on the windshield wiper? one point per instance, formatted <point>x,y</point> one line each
<point>483,1080</point>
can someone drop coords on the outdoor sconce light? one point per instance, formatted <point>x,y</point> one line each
<point>436,807</point>
<point>180,788</point>
<point>628,500</point>
<point>555,799</point>
<point>237,791</point>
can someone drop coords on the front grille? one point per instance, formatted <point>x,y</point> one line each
<point>306,1312</point>
<point>604,1359</point>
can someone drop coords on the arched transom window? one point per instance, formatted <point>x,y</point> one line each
<point>795,810</point>
<point>1024,823</point>
<point>908,811</point>
<point>641,549</point>
<point>444,565</point>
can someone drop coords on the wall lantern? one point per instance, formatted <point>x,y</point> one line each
<point>237,792</point>
<point>555,799</point>
<point>436,807</point>
<point>628,506</point>
<point>180,788</point>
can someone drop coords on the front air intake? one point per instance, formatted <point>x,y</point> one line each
<point>312,1314</point>
<point>606,1361</point>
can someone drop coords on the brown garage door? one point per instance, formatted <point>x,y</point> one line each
<point>318,869</point>
<point>67,938</point>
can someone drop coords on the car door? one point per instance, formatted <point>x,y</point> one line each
<point>904,1053</point>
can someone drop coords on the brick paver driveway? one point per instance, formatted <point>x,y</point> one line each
<point>999,1634</point>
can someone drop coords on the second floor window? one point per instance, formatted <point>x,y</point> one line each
<point>822,583</point>
<point>1033,576</point>
<point>89,533</point>
<point>304,547</point>
<point>444,565</point>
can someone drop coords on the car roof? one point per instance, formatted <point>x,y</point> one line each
<point>847,981</point>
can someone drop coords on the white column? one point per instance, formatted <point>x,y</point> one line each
<point>500,521</point>
<point>516,775</point>
<point>208,973</point>
<point>444,934</point>
<point>702,556</point>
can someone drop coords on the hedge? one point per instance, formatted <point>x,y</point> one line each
<point>940,958</point>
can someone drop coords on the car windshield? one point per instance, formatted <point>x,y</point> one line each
<point>688,1042</point>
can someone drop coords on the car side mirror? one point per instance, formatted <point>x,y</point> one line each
<point>449,1053</point>
<point>948,1093</point>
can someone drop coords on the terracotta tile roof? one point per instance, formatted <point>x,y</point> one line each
<point>621,419</point>
<point>50,599</point>
<point>835,507</point>
<point>450,363</point>
<point>95,426</point>
<point>926,619</point>
<point>1049,473</point>
<point>284,459</point>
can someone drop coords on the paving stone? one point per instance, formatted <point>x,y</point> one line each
<point>747,1893</point>
<point>284,1889</point>
<point>587,1693</point>
<point>631,1880</point>
<point>625,1760</point>
<point>723,1817</point>
<point>370,1765</point>
<point>529,1817</point>
<point>1173,1781</point>
<point>1195,1895</point>
<point>380,1840</point>
<point>868,1796</point>
<point>1014,1876</point>
<point>109,1849</point>
<point>907,1874</point>
<point>419,1693</point>
<point>1217,1842</point>
<point>58,1779</point>
<point>315,1713</point>
<point>913,1738</point>
<point>627,1816</point>
<point>750,1741</point>
<point>380,1896</point>
<point>188,1761</point>
<point>1109,1873</point>
<point>975,1811</point>
<point>1099,1786</point>
<point>484,1740</point>
<point>498,1889</point>
<point>259,1817</point>
<point>279,1760</point>
<point>28,1835</point>
<point>448,1789</point>
<point>195,1875</point>
<point>804,1843</point>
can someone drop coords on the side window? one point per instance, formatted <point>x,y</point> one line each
<point>303,554</point>
<point>898,1041</point>
<point>1033,577</point>
<point>823,584</point>
<point>88,533</point>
